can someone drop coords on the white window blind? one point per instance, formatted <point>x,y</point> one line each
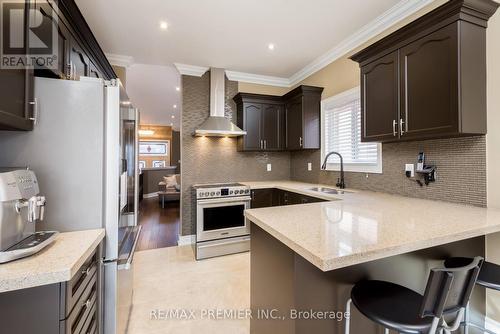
<point>342,133</point>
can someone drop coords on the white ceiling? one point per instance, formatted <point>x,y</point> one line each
<point>151,88</point>
<point>230,34</point>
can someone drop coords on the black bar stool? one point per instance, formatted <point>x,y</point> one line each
<point>398,308</point>
<point>489,277</point>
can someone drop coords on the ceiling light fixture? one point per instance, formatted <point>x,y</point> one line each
<point>173,116</point>
<point>163,25</point>
<point>175,106</point>
<point>270,46</point>
<point>171,124</point>
<point>178,89</point>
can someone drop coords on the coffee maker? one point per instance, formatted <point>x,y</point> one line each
<point>21,207</point>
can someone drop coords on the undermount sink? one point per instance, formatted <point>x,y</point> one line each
<point>325,190</point>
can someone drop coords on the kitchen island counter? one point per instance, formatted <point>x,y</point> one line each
<point>361,226</point>
<point>308,256</point>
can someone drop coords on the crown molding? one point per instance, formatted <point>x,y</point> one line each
<point>192,70</point>
<point>258,79</point>
<point>395,14</point>
<point>119,60</point>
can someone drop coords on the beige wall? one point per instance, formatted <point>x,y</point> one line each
<point>493,151</point>
<point>121,72</point>
<point>245,87</point>
<point>161,133</point>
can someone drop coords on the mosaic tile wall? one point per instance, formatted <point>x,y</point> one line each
<point>461,170</point>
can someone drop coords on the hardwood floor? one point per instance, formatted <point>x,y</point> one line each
<point>160,227</point>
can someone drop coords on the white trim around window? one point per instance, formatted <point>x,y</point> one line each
<point>341,132</point>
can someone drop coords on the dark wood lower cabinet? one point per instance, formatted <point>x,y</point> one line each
<point>263,198</point>
<point>71,307</point>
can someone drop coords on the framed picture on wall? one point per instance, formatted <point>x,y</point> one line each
<point>158,163</point>
<point>154,147</point>
<point>142,164</point>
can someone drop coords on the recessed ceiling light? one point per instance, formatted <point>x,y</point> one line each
<point>163,25</point>
<point>270,46</point>
<point>171,124</point>
<point>173,116</point>
<point>178,88</point>
<point>175,106</point>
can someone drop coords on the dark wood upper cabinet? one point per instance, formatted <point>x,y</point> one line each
<point>303,118</point>
<point>428,79</point>
<point>78,54</point>
<point>294,124</point>
<point>17,105</point>
<point>380,99</point>
<point>262,117</point>
<point>272,126</point>
<point>252,121</point>
<point>277,123</point>
<point>429,85</point>
<point>79,61</point>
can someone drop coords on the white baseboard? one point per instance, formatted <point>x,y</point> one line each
<point>150,195</point>
<point>492,325</point>
<point>186,240</point>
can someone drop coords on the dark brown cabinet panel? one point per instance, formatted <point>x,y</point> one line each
<point>262,117</point>
<point>429,85</point>
<point>252,119</point>
<point>380,99</point>
<point>272,125</point>
<point>303,118</point>
<point>17,105</point>
<point>79,60</point>
<point>429,76</point>
<point>294,124</point>
<point>275,123</point>
<point>77,53</point>
<point>261,198</point>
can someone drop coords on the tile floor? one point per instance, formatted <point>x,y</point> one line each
<point>171,279</point>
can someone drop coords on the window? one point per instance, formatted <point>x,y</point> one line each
<point>153,148</point>
<point>341,132</point>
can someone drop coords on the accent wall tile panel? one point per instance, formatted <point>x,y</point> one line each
<point>461,170</point>
<point>214,160</point>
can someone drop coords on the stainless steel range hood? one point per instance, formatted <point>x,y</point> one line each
<point>216,125</point>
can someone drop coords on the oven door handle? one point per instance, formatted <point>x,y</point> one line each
<point>225,200</point>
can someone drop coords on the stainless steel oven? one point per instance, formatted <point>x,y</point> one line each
<point>221,227</point>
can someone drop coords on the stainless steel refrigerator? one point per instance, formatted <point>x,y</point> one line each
<point>83,150</point>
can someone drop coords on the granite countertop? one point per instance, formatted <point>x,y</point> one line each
<point>56,263</point>
<point>362,226</point>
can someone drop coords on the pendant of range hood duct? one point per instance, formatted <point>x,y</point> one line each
<point>216,125</point>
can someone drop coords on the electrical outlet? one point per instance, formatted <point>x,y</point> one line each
<point>309,166</point>
<point>410,170</point>
<point>269,167</point>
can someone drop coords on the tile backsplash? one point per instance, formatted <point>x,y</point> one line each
<point>461,170</point>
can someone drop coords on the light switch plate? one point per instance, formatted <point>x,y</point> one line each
<point>309,166</point>
<point>269,167</point>
<point>410,168</point>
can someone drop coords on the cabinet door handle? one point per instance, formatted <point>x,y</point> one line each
<point>394,124</point>
<point>265,144</point>
<point>261,145</point>
<point>34,116</point>
<point>300,141</point>
<point>401,124</point>
<point>69,70</point>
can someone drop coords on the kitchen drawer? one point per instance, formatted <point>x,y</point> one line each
<point>90,324</point>
<point>83,308</point>
<point>72,290</point>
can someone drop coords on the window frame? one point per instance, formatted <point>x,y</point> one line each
<point>335,101</point>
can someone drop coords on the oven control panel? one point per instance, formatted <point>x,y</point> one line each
<point>220,192</point>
